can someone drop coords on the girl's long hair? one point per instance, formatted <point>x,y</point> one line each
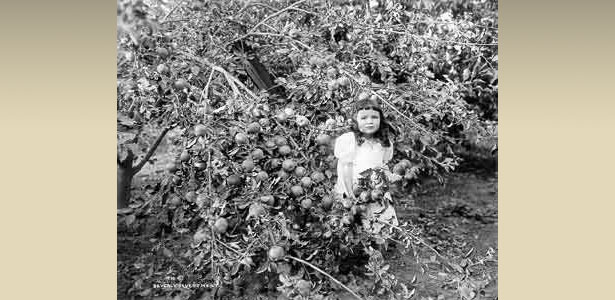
<point>384,134</point>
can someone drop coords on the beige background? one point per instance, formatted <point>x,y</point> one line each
<point>57,113</point>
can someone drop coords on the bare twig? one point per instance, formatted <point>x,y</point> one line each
<point>152,149</point>
<point>326,274</point>
<point>415,237</point>
<point>172,10</point>
<point>209,172</point>
<point>205,91</point>
<point>223,71</point>
<point>284,36</point>
<point>213,264</point>
<point>276,14</point>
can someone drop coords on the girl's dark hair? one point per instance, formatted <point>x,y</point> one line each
<point>384,134</point>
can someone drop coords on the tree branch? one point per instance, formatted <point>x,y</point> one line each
<point>326,274</point>
<point>171,11</point>
<point>290,7</point>
<point>435,39</point>
<point>151,151</point>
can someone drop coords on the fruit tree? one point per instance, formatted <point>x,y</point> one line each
<point>260,89</point>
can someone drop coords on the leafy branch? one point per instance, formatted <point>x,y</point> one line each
<point>326,274</point>
<point>253,29</point>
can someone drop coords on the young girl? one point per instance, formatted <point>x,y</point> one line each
<point>368,145</point>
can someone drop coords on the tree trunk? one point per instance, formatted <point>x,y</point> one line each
<point>124,183</point>
<point>126,170</point>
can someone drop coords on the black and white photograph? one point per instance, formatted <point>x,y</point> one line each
<point>307,149</point>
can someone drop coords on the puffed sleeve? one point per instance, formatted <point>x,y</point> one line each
<point>344,147</point>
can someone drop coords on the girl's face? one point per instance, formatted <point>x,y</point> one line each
<point>368,121</point>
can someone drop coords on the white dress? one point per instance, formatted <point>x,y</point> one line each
<point>370,154</point>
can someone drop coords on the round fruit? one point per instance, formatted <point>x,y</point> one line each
<point>195,70</point>
<point>262,176</point>
<point>296,190</point>
<point>257,154</point>
<point>323,139</point>
<point>248,165</point>
<point>221,225</point>
<point>327,202</point>
<point>181,84</point>
<point>270,144</point>
<point>174,201</point>
<point>363,96</point>
<point>129,56</point>
<point>280,141</point>
<point>184,156</point>
<point>318,176</point>
<point>304,287</point>
<point>247,261</point>
<point>288,165</point>
<point>200,236</point>
<point>302,121</point>
<point>283,174</point>
<point>284,150</point>
<point>264,122</point>
<point>333,85</point>
<point>162,52</point>
<point>253,127</point>
<point>281,117</point>
<point>256,211</point>
<point>330,123</point>
<point>274,163</point>
<point>257,112</point>
<point>171,167</point>
<point>241,138</point>
<point>399,169</point>
<point>269,199</point>
<point>276,253</point>
<point>162,69</point>
<point>200,130</point>
<point>306,203</point>
<point>314,60</point>
<point>306,181</point>
<point>300,171</point>
<point>373,98</point>
<point>200,165</point>
<point>406,163</point>
<point>191,196</point>
<point>233,180</point>
<point>176,179</point>
<point>289,111</point>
